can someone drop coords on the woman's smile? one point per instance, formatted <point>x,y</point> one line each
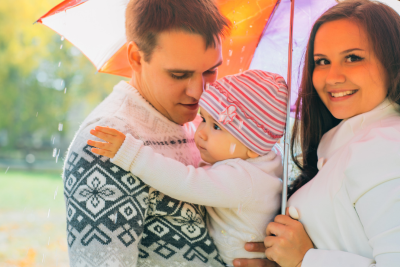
<point>341,95</point>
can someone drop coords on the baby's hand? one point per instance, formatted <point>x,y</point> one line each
<point>114,140</point>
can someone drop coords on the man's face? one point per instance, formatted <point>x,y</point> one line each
<point>175,77</point>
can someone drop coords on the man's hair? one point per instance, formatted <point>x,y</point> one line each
<point>145,19</point>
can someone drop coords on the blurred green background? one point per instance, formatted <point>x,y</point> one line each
<point>47,88</point>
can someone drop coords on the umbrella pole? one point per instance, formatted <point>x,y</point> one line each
<point>287,130</point>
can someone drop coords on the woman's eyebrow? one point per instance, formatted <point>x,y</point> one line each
<point>343,52</point>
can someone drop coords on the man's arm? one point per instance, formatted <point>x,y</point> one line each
<point>106,206</point>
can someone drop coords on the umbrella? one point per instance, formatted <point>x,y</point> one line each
<point>259,39</point>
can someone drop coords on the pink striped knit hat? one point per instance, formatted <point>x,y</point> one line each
<point>251,106</point>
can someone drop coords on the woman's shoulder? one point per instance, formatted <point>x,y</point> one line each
<point>374,157</point>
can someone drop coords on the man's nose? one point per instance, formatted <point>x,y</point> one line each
<point>195,88</point>
<point>335,75</point>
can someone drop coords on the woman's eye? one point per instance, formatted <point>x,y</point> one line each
<point>321,62</point>
<point>216,127</point>
<point>353,58</point>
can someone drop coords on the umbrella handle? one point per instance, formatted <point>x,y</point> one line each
<point>287,128</point>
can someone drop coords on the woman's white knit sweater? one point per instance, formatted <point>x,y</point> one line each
<point>242,196</point>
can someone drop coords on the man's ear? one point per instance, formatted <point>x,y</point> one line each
<point>252,154</point>
<point>134,57</point>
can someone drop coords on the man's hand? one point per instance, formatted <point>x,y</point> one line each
<point>254,247</point>
<point>114,140</point>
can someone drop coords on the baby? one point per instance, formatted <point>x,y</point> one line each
<point>239,180</point>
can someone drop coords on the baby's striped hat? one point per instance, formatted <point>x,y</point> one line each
<point>251,106</point>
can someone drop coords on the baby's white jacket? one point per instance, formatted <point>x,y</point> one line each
<point>242,196</point>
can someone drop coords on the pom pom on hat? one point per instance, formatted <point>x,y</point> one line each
<point>251,106</point>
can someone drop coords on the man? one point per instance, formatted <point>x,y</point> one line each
<point>113,218</point>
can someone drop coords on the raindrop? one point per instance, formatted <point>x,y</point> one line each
<point>116,216</point>
<point>240,70</point>
<point>231,42</point>
<point>241,59</point>
<point>251,26</point>
<point>37,113</point>
<point>58,154</point>
<point>230,52</point>
<point>54,152</point>
<point>48,214</point>
<point>60,46</point>
<point>207,86</point>
<point>54,138</point>
<point>59,64</point>
<point>65,90</point>
<point>232,148</point>
<point>227,62</point>
<point>7,170</point>
<point>55,193</point>
<point>60,127</point>
<point>234,22</point>
<point>62,38</point>
<point>48,242</point>
<point>43,258</point>
<point>239,211</point>
<point>243,48</point>
<point>62,82</point>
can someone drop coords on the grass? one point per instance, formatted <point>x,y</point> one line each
<point>30,190</point>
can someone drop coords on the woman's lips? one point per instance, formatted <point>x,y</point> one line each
<point>191,106</point>
<point>338,95</point>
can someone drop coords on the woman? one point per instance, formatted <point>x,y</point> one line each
<point>348,127</point>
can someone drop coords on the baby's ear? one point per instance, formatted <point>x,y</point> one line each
<point>252,154</point>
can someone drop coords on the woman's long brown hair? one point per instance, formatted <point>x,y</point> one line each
<point>313,119</point>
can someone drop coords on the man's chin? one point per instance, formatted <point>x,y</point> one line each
<point>181,120</point>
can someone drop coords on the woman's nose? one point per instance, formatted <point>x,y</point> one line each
<point>335,75</point>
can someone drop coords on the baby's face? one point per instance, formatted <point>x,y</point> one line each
<point>215,143</point>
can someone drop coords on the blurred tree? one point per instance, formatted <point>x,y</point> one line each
<point>36,66</point>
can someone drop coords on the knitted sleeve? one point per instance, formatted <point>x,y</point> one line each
<point>105,204</point>
<point>225,185</point>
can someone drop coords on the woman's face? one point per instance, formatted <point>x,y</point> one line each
<point>348,76</point>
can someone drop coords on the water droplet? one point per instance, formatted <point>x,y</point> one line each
<point>48,242</point>
<point>48,214</point>
<point>7,170</point>
<point>62,82</point>
<point>230,52</point>
<point>54,152</point>
<point>62,38</point>
<point>232,148</point>
<point>227,62</point>
<point>58,154</point>
<point>241,124</point>
<point>65,90</point>
<point>234,22</point>
<point>207,86</point>
<point>37,113</point>
<point>53,139</point>
<point>55,193</point>
<point>239,211</point>
<point>60,127</point>
<point>231,42</point>
<point>243,48</point>
<point>43,258</point>
<point>223,232</point>
<point>240,70</point>
<point>251,26</point>
<point>61,46</point>
<point>59,64</point>
<point>241,59</point>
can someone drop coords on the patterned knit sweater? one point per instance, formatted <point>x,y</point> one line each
<point>113,218</point>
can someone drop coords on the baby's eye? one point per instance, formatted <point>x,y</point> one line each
<point>203,120</point>
<point>216,127</point>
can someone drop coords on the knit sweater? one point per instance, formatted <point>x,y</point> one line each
<point>242,196</point>
<point>113,217</point>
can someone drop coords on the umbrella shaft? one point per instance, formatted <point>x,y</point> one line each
<point>287,130</point>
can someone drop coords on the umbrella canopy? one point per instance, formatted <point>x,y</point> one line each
<point>97,28</point>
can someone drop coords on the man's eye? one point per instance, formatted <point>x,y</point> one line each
<point>211,71</point>
<point>353,58</point>
<point>179,76</point>
<point>321,62</point>
<point>216,127</point>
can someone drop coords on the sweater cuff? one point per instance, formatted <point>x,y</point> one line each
<point>127,152</point>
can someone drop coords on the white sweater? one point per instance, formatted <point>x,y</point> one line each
<point>351,208</point>
<point>243,195</point>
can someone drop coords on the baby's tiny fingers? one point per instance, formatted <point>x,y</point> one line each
<point>102,152</point>
<point>102,145</point>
